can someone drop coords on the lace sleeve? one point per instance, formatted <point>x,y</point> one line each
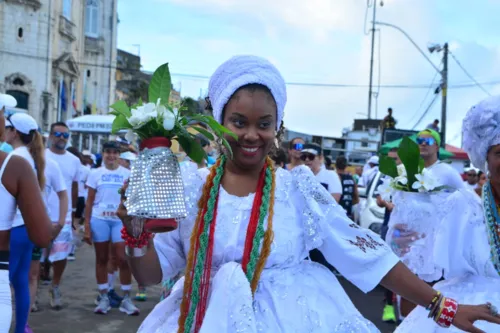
<point>170,246</point>
<point>359,254</point>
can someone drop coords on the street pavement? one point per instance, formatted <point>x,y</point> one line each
<point>79,292</point>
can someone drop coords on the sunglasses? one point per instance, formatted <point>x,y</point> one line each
<point>428,141</point>
<point>471,174</point>
<point>307,157</point>
<point>298,146</point>
<point>61,134</point>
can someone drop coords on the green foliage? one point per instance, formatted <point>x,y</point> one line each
<point>160,86</point>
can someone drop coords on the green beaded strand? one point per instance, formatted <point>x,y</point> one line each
<point>203,240</point>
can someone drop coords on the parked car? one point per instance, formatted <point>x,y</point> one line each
<point>369,215</point>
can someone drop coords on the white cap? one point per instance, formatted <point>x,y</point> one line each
<point>373,160</point>
<point>22,122</point>
<point>86,153</point>
<point>7,101</point>
<point>129,156</point>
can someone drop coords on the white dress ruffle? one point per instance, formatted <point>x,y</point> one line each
<point>293,294</point>
<point>462,250</point>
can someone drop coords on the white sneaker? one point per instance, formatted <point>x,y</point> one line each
<point>103,307</point>
<point>128,307</point>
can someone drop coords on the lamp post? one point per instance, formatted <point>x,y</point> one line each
<point>443,73</point>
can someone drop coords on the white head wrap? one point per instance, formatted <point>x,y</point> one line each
<point>481,130</point>
<point>240,71</point>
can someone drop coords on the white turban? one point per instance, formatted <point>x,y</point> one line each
<point>240,71</point>
<point>481,130</point>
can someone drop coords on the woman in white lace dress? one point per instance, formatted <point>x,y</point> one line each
<point>250,227</point>
<point>467,242</point>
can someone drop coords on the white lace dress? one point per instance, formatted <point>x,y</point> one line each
<point>294,295</point>
<point>463,252</point>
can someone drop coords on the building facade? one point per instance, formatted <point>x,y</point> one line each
<point>58,57</point>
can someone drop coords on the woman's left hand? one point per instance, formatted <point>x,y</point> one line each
<point>468,314</point>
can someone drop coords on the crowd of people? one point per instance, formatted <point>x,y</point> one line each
<point>265,233</point>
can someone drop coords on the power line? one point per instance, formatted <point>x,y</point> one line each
<point>431,104</point>
<point>431,87</point>
<point>302,84</point>
<point>467,73</point>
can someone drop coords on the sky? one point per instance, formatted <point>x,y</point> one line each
<point>328,42</point>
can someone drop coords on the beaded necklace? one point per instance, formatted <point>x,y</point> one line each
<point>492,223</point>
<point>199,263</point>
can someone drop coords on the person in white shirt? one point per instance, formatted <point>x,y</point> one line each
<point>103,226</point>
<point>472,179</point>
<point>54,183</point>
<point>22,134</point>
<point>70,169</point>
<point>312,156</point>
<point>369,171</point>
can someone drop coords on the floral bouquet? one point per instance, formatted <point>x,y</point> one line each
<point>414,218</point>
<point>155,193</point>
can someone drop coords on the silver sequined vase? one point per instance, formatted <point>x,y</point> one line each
<point>156,191</point>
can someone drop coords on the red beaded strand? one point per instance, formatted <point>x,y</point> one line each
<point>133,242</point>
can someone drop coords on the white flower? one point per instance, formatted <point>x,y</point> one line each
<point>168,120</point>
<point>401,170</point>
<point>385,190</point>
<point>401,179</point>
<point>130,136</point>
<point>425,182</point>
<point>142,115</point>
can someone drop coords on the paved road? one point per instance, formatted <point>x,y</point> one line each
<point>79,292</point>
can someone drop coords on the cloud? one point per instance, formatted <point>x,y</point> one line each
<point>323,41</point>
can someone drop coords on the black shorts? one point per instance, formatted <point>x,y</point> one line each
<point>36,254</point>
<point>80,207</point>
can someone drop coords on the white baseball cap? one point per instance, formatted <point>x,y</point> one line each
<point>86,153</point>
<point>22,122</point>
<point>7,101</point>
<point>129,156</point>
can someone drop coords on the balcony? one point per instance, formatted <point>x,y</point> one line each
<point>35,4</point>
<point>67,28</point>
<point>94,45</point>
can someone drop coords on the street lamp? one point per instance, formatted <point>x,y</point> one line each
<point>444,73</point>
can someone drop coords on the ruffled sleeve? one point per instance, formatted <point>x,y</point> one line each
<point>170,245</point>
<point>461,242</point>
<point>358,254</point>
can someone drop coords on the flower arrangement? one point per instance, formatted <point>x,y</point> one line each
<point>410,176</point>
<point>159,118</point>
<point>155,193</point>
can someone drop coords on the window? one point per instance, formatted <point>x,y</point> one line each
<point>91,18</point>
<point>18,82</point>
<point>67,9</point>
<point>20,33</point>
<point>22,98</point>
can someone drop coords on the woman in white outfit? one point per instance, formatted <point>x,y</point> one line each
<point>468,238</point>
<point>18,188</point>
<point>233,286</point>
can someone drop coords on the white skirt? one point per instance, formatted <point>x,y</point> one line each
<point>303,298</point>
<point>470,290</point>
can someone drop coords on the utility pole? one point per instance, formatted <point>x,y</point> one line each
<point>444,92</point>
<point>371,62</point>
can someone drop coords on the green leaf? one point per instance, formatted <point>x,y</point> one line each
<point>421,165</point>
<point>228,147</point>
<point>214,125</point>
<point>409,153</point>
<point>189,144</point>
<point>205,133</point>
<point>160,85</point>
<point>119,123</point>
<point>122,108</point>
<point>388,166</point>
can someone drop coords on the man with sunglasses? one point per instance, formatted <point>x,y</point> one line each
<point>472,179</point>
<point>70,167</point>
<point>312,156</point>
<point>429,142</point>
<point>294,149</point>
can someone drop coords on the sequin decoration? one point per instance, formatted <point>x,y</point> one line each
<point>156,189</point>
